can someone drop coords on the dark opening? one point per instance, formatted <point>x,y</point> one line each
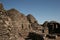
<point>51,37</point>
<point>34,36</point>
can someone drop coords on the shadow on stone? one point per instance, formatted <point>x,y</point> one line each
<point>34,36</point>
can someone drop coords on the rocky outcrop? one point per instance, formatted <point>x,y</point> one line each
<point>20,21</point>
<point>16,26</point>
<point>52,26</point>
<point>31,19</point>
<point>1,6</point>
<point>13,25</point>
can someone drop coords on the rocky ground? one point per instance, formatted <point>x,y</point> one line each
<point>16,26</point>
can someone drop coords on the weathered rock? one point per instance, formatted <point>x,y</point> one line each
<point>52,26</point>
<point>20,21</point>
<point>34,36</point>
<point>11,25</point>
<point>5,24</point>
<point>31,18</point>
<point>1,6</point>
<point>16,26</point>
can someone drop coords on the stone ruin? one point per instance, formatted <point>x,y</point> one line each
<point>16,26</point>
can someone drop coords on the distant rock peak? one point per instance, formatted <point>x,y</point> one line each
<point>1,6</point>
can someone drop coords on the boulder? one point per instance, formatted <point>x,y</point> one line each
<point>31,18</point>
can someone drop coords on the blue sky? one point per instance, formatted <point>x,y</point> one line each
<point>42,10</point>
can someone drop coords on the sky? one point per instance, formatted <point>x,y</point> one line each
<point>42,10</point>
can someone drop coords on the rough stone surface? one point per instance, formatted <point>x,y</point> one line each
<point>31,18</point>
<point>16,26</point>
<point>13,25</point>
<point>1,6</point>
